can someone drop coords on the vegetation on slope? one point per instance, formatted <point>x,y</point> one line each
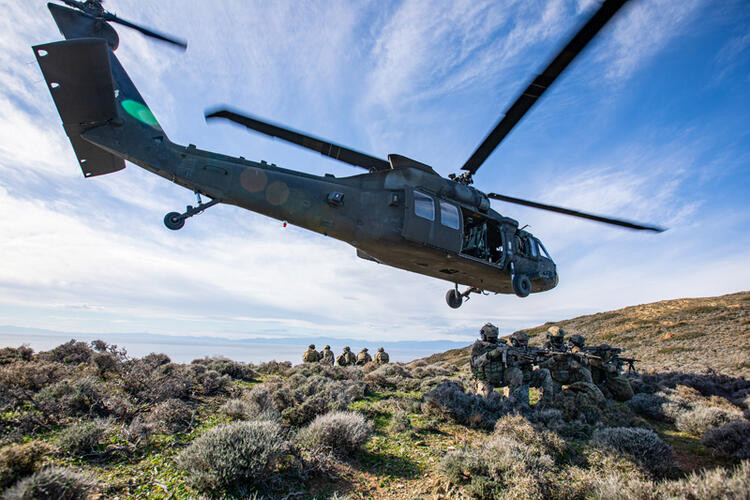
<point>84,421</point>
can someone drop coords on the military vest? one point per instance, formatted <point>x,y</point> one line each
<point>311,356</point>
<point>382,358</point>
<point>484,368</point>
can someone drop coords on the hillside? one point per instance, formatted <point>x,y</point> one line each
<point>688,335</point>
<point>87,421</point>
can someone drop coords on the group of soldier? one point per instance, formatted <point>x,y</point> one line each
<point>558,364</point>
<point>346,358</point>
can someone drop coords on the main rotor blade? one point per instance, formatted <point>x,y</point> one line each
<point>541,83</point>
<point>148,32</point>
<point>576,213</point>
<point>323,147</point>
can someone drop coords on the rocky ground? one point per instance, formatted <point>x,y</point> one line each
<point>87,421</point>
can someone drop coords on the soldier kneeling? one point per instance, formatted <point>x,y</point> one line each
<point>327,356</point>
<point>363,357</point>
<point>311,355</point>
<point>520,374</point>
<point>346,358</point>
<point>381,357</point>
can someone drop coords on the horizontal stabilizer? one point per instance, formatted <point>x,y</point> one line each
<point>79,78</point>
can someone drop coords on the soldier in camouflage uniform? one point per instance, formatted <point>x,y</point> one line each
<point>605,370</point>
<point>311,355</point>
<point>326,356</point>
<point>487,363</point>
<point>363,357</point>
<point>346,358</point>
<point>555,339</point>
<point>520,374</point>
<point>381,357</point>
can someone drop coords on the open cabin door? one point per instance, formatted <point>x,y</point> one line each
<point>431,221</point>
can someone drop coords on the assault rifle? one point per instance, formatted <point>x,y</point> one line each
<point>602,350</point>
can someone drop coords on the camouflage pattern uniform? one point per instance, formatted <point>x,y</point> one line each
<point>381,357</point>
<point>605,371</point>
<point>346,358</point>
<point>520,374</point>
<point>487,361</point>
<point>363,357</point>
<point>565,367</point>
<point>326,356</point>
<point>311,355</point>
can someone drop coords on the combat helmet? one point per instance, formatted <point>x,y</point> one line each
<point>311,346</point>
<point>346,348</point>
<point>364,349</point>
<point>489,331</point>
<point>519,339</point>
<point>555,331</point>
<point>380,349</point>
<point>327,347</point>
<point>577,340</point>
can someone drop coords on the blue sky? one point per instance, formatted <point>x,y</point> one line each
<point>650,123</point>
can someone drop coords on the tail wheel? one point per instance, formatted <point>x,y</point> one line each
<point>174,221</point>
<point>454,298</point>
<point>522,285</point>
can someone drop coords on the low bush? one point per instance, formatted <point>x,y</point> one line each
<point>388,376</point>
<point>399,422</point>
<point>225,366</point>
<point>643,446</point>
<point>212,382</point>
<point>52,483</point>
<point>69,353</point>
<point>73,397</point>
<point>718,483</point>
<point>501,468</point>
<point>448,400</point>
<point>239,453</point>
<point>702,418</point>
<point>648,405</point>
<point>81,438</point>
<point>11,354</point>
<point>341,433</point>
<point>154,378</point>
<point>730,440</point>
<point>274,367</point>
<point>300,399</point>
<point>522,430</point>
<point>19,460</point>
<point>171,416</point>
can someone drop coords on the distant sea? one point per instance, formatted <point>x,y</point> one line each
<point>185,349</point>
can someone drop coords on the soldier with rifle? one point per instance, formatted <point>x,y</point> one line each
<point>487,361</point>
<point>521,375</point>
<point>606,368</point>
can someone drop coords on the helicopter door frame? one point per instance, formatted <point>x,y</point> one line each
<point>424,222</point>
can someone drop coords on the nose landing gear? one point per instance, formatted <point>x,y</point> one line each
<point>454,298</point>
<point>176,220</point>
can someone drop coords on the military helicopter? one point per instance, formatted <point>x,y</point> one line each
<point>399,213</point>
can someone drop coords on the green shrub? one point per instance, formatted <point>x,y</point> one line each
<point>448,400</point>
<point>18,460</point>
<point>82,438</point>
<point>702,418</point>
<point>212,382</point>
<point>641,445</point>
<point>171,416</point>
<point>521,429</point>
<point>730,440</point>
<point>239,453</point>
<point>52,483</point>
<point>341,433</point>
<point>388,376</point>
<point>274,367</point>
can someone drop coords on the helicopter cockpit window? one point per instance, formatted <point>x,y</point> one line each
<point>424,206</point>
<point>533,250</point>
<point>544,250</point>
<point>448,215</point>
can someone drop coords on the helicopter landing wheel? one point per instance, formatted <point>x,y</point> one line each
<point>521,285</point>
<point>174,221</point>
<point>454,298</point>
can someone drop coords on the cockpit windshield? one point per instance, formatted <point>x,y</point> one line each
<point>544,250</point>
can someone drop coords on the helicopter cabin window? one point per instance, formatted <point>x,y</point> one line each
<point>424,206</point>
<point>449,215</point>
<point>533,250</point>
<point>544,250</point>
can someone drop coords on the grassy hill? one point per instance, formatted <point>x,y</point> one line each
<point>689,335</point>
<point>88,421</point>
